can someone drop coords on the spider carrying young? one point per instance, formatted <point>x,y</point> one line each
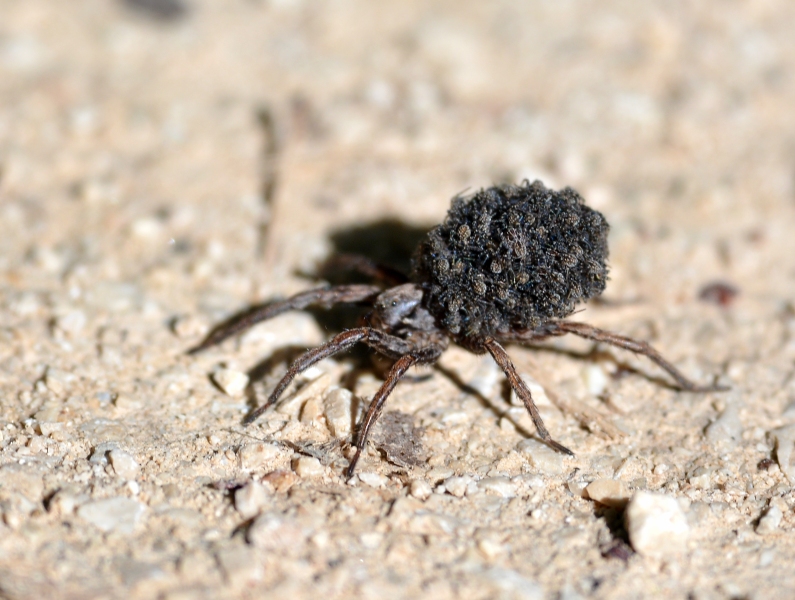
<point>507,265</point>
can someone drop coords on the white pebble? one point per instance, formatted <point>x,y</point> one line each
<point>71,323</point>
<point>785,443</point>
<point>256,454</point>
<point>457,486</point>
<point>374,480</point>
<point>420,489</point>
<point>231,381</point>
<point>727,428</point>
<point>123,464</point>
<point>307,466</point>
<point>273,532</point>
<point>251,499</point>
<point>113,514</point>
<point>595,379</point>
<point>337,409</point>
<point>499,486</point>
<point>542,457</point>
<point>770,522</point>
<point>57,381</point>
<point>610,492</point>
<point>656,524</point>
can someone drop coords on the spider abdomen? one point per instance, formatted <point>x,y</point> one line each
<point>510,258</point>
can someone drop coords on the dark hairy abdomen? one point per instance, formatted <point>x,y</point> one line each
<point>511,258</point>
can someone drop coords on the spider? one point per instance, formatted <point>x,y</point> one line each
<point>507,265</point>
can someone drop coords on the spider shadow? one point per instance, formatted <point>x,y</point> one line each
<point>596,354</point>
<point>389,242</point>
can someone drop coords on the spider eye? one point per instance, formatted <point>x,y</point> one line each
<point>394,302</point>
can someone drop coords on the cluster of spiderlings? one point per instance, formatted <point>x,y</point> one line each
<point>510,258</point>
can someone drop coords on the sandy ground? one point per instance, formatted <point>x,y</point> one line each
<point>164,165</point>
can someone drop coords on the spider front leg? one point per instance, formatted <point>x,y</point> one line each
<point>377,405</point>
<point>520,387</point>
<point>380,341</point>
<point>340,294</point>
<point>599,335</point>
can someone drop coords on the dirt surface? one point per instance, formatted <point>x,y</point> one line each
<point>164,164</point>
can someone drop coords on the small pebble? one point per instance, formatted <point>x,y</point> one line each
<point>253,456</point>
<point>457,486</point>
<point>771,520</point>
<point>420,489</point>
<point>656,524</point>
<point>307,466</point>
<point>251,499</point>
<point>498,486</point>
<point>280,480</point>
<point>374,480</point>
<point>542,457</point>
<point>610,492</point>
<point>727,428</point>
<point>785,443</point>
<point>71,323</point>
<point>57,381</point>
<point>113,514</point>
<point>231,381</point>
<point>273,532</point>
<point>595,379</point>
<point>337,407</point>
<point>123,464</point>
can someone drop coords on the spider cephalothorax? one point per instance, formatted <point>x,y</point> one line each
<point>508,264</point>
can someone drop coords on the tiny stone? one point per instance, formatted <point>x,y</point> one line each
<point>727,428</point>
<point>231,381</point>
<point>610,492</point>
<point>499,486</point>
<point>656,524</point>
<point>123,464</point>
<point>280,480</point>
<point>256,454</point>
<point>595,379</point>
<point>307,466</point>
<point>311,410</point>
<point>457,486</point>
<point>113,514</point>
<point>189,327</point>
<point>58,381</point>
<point>542,457</point>
<point>770,522</point>
<point>337,408</point>
<point>374,480</point>
<point>273,532</point>
<point>251,499</point>
<point>785,443</point>
<point>71,323</point>
<point>420,489</point>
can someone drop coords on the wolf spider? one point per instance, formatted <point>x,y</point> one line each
<point>507,265</point>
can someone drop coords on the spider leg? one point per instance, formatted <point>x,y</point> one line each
<point>380,341</point>
<point>520,387</point>
<point>599,335</point>
<point>377,404</point>
<point>323,296</point>
<point>365,266</point>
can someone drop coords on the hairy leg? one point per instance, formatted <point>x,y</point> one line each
<point>377,405</point>
<point>384,343</point>
<point>599,335</point>
<point>520,387</point>
<point>324,297</point>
